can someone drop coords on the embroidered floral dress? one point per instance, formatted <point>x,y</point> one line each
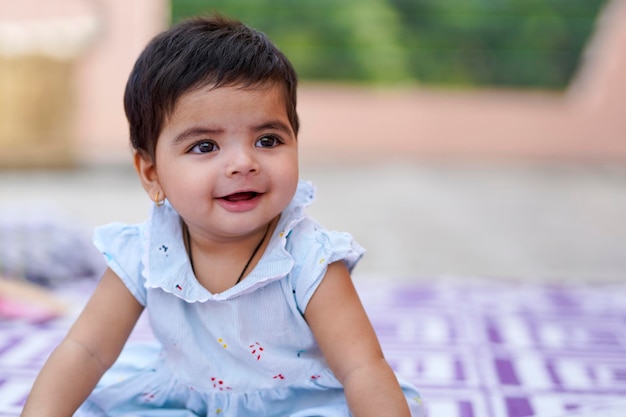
<point>244,352</point>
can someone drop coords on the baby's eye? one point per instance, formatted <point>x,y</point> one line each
<point>268,142</point>
<point>204,147</point>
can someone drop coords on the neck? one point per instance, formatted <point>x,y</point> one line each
<point>225,260</point>
<point>254,252</point>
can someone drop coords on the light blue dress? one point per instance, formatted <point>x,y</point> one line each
<point>244,352</point>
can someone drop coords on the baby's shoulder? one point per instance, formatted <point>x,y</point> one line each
<point>120,240</point>
<point>122,246</point>
<point>309,238</point>
<point>306,232</point>
<point>119,233</point>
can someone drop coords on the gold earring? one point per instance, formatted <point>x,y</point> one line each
<point>157,200</point>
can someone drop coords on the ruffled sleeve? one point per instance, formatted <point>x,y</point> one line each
<point>122,249</point>
<point>315,248</point>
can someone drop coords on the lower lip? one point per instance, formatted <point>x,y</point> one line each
<point>240,206</point>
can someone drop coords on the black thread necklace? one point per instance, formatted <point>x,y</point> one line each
<point>243,271</point>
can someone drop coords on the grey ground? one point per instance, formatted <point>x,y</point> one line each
<point>417,220</point>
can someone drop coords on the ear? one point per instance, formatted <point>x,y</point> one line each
<point>146,169</point>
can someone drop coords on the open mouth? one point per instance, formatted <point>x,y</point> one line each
<point>245,196</point>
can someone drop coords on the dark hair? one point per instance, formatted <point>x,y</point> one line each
<point>199,52</point>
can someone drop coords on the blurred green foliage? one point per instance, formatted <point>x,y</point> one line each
<point>516,43</point>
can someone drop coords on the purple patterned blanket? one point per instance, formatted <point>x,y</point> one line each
<point>474,348</point>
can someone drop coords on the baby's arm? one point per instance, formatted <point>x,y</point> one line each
<point>347,339</point>
<point>89,349</point>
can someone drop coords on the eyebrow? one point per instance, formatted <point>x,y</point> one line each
<point>193,132</point>
<point>272,125</point>
<point>202,131</point>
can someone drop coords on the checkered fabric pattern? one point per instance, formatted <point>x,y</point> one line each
<point>474,348</point>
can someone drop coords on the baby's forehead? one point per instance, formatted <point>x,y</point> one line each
<point>226,88</point>
<point>234,105</point>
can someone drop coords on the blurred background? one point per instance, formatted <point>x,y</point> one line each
<point>452,138</point>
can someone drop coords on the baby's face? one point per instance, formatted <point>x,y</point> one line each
<point>227,159</point>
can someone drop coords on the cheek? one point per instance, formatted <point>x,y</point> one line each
<point>290,162</point>
<point>180,185</point>
<point>289,183</point>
